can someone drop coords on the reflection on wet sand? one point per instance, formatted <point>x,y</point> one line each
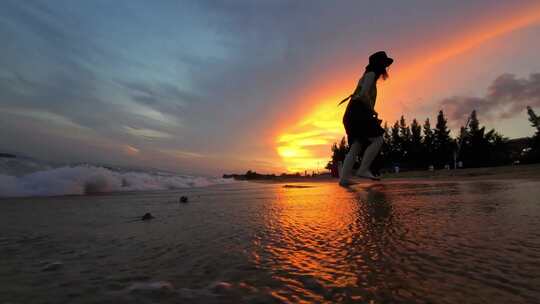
<point>327,243</point>
<point>387,243</point>
<point>390,242</point>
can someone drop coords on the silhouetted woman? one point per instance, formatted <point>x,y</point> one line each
<point>361,122</point>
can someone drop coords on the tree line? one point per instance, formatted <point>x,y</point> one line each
<point>420,146</point>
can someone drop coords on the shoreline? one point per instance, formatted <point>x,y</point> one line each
<point>515,172</point>
<point>529,171</point>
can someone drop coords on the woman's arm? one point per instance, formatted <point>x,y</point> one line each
<point>365,85</point>
<point>363,92</point>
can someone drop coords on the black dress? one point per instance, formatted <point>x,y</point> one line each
<point>360,122</point>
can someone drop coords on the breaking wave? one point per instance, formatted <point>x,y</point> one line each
<point>89,179</point>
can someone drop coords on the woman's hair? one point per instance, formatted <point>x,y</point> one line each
<point>378,69</point>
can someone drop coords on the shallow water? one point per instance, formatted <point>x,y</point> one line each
<point>392,242</point>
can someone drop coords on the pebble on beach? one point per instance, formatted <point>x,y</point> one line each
<point>147,216</point>
<point>221,287</point>
<point>53,266</point>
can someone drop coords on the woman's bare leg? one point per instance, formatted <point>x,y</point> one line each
<point>369,155</point>
<point>349,163</point>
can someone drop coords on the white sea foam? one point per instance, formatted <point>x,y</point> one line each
<point>87,179</point>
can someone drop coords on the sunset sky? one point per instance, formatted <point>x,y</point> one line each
<point>209,87</point>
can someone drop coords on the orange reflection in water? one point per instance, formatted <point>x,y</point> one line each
<point>398,242</point>
<point>323,239</point>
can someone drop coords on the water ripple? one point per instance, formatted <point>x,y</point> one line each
<point>394,242</point>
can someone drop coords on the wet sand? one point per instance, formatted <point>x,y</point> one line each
<point>529,171</point>
<point>400,241</point>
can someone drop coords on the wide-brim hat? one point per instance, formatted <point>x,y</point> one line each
<point>380,57</point>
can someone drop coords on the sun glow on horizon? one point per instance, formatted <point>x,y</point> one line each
<point>306,145</point>
<point>298,148</point>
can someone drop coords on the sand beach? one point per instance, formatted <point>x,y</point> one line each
<point>397,241</point>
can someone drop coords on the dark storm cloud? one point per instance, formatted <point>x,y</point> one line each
<point>506,97</point>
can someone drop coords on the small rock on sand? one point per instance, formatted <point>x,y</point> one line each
<point>147,216</point>
<point>53,266</point>
<point>221,287</point>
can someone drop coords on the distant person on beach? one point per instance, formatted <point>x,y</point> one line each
<point>361,122</point>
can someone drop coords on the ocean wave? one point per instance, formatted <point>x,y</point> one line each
<point>88,179</point>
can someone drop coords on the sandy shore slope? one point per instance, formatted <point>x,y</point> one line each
<point>399,241</point>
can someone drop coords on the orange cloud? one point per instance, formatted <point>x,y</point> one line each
<point>130,150</point>
<point>431,56</point>
<point>305,144</point>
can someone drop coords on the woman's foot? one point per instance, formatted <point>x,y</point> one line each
<point>346,182</point>
<point>367,174</point>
